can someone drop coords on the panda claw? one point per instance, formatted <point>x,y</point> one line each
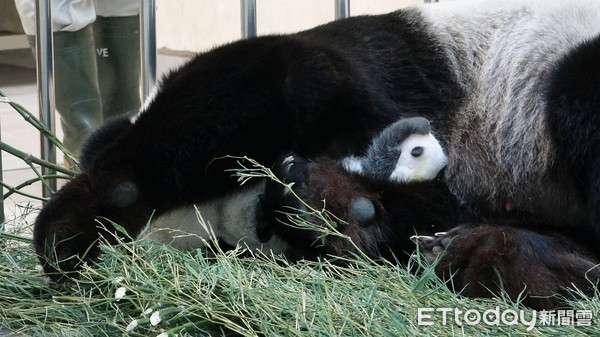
<point>421,238</point>
<point>288,159</point>
<point>440,233</point>
<point>287,163</point>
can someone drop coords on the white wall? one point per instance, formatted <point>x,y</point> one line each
<point>197,25</point>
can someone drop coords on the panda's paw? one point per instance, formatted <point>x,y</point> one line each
<point>486,259</point>
<point>305,188</point>
<point>322,184</point>
<point>433,247</point>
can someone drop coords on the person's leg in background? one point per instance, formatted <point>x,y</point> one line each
<point>117,39</point>
<point>89,73</point>
<point>77,94</point>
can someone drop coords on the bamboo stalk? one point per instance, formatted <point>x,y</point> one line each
<point>29,158</point>
<point>15,189</point>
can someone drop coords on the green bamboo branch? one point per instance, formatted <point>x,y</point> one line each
<point>29,158</point>
<point>39,175</point>
<point>16,189</point>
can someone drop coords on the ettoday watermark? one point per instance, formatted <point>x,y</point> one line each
<point>497,317</point>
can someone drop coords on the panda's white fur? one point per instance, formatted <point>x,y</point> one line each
<point>353,164</point>
<point>230,219</point>
<point>424,167</point>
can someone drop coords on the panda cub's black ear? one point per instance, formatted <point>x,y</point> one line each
<point>101,138</point>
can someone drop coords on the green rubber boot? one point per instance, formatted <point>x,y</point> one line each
<point>76,86</point>
<point>77,93</point>
<point>117,42</point>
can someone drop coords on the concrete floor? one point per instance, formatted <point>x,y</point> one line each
<point>18,81</point>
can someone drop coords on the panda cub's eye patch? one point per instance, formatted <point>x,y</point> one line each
<point>417,151</point>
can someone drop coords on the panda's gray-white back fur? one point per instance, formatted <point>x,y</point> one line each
<point>503,52</point>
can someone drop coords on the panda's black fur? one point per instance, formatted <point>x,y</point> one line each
<point>522,154</point>
<point>99,139</point>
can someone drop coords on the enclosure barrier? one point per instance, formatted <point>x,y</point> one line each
<point>148,45</point>
<point>248,18</point>
<point>45,85</point>
<point>342,9</point>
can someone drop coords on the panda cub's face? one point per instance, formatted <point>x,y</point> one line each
<point>420,157</point>
<point>404,151</point>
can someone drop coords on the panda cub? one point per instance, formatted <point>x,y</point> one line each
<point>404,151</point>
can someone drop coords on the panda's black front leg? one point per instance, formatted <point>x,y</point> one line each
<point>484,259</point>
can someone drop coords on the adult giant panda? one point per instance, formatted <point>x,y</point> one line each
<point>510,87</point>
